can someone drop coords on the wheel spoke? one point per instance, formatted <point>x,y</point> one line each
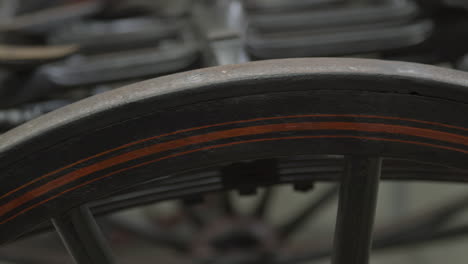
<point>386,242</point>
<point>356,210</point>
<point>417,229</point>
<point>263,205</point>
<point>227,206</point>
<point>296,222</point>
<point>82,237</point>
<point>383,242</point>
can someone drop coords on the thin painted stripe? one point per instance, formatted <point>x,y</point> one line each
<point>225,145</point>
<point>235,132</point>
<point>222,124</point>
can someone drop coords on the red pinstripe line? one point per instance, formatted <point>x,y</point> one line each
<point>219,146</point>
<point>221,124</point>
<point>236,132</point>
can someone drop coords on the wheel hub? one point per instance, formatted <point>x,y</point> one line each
<point>240,239</point>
